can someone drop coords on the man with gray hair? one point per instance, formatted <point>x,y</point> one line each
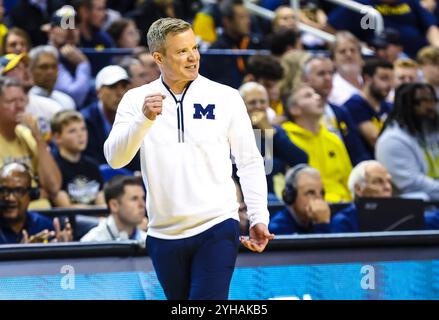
<point>186,126</point>
<point>21,141</point>
<point>44,68</point>
<point>305,211</point>
<point>318,72</point>
<point>370,179</point>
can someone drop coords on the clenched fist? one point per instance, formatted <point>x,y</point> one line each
<point>318,211</point>
<point>153,105</point>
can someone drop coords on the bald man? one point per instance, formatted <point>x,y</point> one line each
<point>17,224</point>
<point>370,179</point>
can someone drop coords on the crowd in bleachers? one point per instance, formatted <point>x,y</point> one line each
<point>332,123</point>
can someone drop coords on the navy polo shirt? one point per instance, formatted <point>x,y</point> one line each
<point>282,222</point>
<point>34,224</point>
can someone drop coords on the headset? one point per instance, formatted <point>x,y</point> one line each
<point>34,192</point>
<point>289,194</point>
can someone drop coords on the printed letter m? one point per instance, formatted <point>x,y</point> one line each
<point>201,112</point>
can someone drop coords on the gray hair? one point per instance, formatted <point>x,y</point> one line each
<point>306,67</point>
<point>342,36</point>
<point>160,29</point>
<point>7,82</point>
<point>358,175</point>
<point>36,52</point>
<point>250,86</point>
<point>293,174</point>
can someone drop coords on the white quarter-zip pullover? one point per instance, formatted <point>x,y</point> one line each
<point>185,157</point>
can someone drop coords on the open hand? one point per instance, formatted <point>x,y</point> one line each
<point>259,237</point>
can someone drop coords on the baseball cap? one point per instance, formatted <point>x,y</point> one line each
<point>111,75</point>
<point>388,36</point>
<point>10,61</point>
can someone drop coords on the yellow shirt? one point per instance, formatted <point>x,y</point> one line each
<point>204,27</point>
<point>22,149</point>
<point>3,32</point>
<point>326,153</point>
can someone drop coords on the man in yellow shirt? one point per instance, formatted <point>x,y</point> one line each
<point>325,150</point>
<point>21,141</point>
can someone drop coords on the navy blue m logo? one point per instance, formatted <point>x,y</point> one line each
<point>201,112</point>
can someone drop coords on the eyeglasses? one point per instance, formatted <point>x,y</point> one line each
<point>17,192</point>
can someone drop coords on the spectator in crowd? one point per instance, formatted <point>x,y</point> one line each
<point>326,151</point>
<point>310,14</point>
<point>237,35</point>
<point>22,141</point>
<point>17,224</point>
<point>91,17</point>
<point>16,41</point>
<point>347,80</point>
<point>305,208</point>
<point>369,108</point>
<point>429,5</point>
<point>388,45</point>
<point>111,16</point>
<point>275,146</point>
<point>44,67</point>
<point>407,16</point>
<point>136,71</point>
<point>370,179</point>
<point>152,10</point>
<point>74,69</point>
<point>405,70</point>
<point>292,63</point>
<point>111,84</point>
<point>285,18</point>
<point>42,108</point>
<point>267,71</point>
<point>81,180</point>
<point>428,59</point>
<point>30,15</point>
<point>124,33</point>
<point>3,27</point>
<point>409,144</point>
<point>151,68</point>
<point>207,23</point>
<point>283,41</point>
<point>317,73</point>
<point>125,199</point>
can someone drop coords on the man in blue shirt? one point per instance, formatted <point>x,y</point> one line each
<point>17,224</point>
<point>111,84</point>
<point>305,208</point>
<point>372,180</point>
<point>369,109</point>
<point>416,24</point>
